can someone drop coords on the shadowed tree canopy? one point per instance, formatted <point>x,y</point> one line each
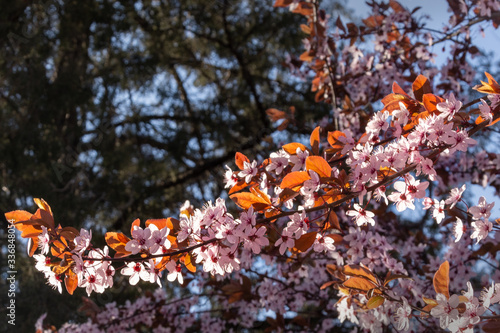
<point>121,109</point>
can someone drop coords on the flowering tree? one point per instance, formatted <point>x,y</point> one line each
<point>318,240</point>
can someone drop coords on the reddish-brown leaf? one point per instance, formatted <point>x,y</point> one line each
<point>491,87</point>
<point>395,277</point>
<point>333,139</point>
<point>396,6</point>
<point>71,281</point>
<point>491,326</point>
<point>173,224</point>
<point>337,238</point>
<point>314,141</point>
<point>287,194</point>
<point>256,190</point>
<point>69,233</point>
<point>307,56</point>
<point>333,221</point>
<point>246,199</point>
<point>28,230</point>
<point>319,165</point>
<point>18,216</point>
<point>359,283</point>
<point>327,284</point>
<point>291,148</point>
<point>306,29</point>
<point>373,21</point>
<point>339,24</point>
<point>332,269</point>
<point>391,102</point>
<point>284,124</point>
<point>421,86</point>
<point>441,279</point>
<point>305,241</point>
<point>42,204</point>
<point>59,247</point>
<point>136,223</point>
<point>375,302</point>
<point>32,245</point>
<point>275,114</point>
<point>189,263</point>
<point>357,270</point>
<point>430,301</point>
<point>295,180</point>
<point>396,89</point>
<point>238,187</point>
<point>282,3</point>
<point>431,101</point>
<point>27,223</point>
<point>303,8</point>
<point>159,223</point>
<point>239,159</point>
<point>117,241</point>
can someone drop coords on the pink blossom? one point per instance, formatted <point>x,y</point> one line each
<point>299,159</point>
<point>455,196</point>
<point>459,141</point>
<point>158,240</point>
<point>279,161</point>
<point>415,188</point>
<point>140,240</point>
<point>54,280</point>
<point>482,210</point>
<point>402,198</point>
<point>323,243</point>
<point>429,202</point>
<point>485,111</point>
<point>249,170</point>
<point>401,116</point>
<point>426,167</point>
<point>298,224</point>
<point>82,241</point>
<point>403,315</point>
<point>248,218</point>
<point>378,123</point>
<point>494,99</point>
<point>107,271</point>
<point>285,241</point>
<point>348,141</point>
<point>211,262</point>
<point>450,107</point>
<point>380,194</point>
<point>491,295</point>
<point>361,216</point>
<point>174,272</point>
<point>230,178</point>
<point>92,281</point>
<point>136,271</point>
<point>190,226</point>
<point>256,239</point>
<point>446,310</point>
<point>458,229</point>
<point>43,241</point>
<point>42,263</point>
<point>438,212</point>
<point>154,272</point>
<point>481,229</point>
<point>311,185</point>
